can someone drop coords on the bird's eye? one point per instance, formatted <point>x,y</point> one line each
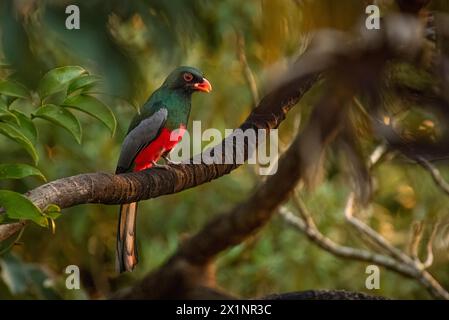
<point>188,76</point>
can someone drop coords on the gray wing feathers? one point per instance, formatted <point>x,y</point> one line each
<point>139,137</point>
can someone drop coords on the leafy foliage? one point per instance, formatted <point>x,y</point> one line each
<point>11,131</point>
<point>62,117</point>
<point>13,89</point>
<point>17,206</point>
<point>19,171</point>
<point>57,80</point>
<point>18,125</point>
<point>93,107</point>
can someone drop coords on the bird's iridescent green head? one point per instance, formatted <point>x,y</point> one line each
<point>188,79</point>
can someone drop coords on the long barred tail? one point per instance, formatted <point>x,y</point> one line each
<point>126,238</point>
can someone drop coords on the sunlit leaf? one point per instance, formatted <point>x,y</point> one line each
<point>26,126</point>
<point>83,82</point>
<point>57,79</point>
<point>93,107</point>
<point>13,133</point>
<point>19,171</point>
<point>13,89</point>
<point>61,117</point>
<point>17,206</point>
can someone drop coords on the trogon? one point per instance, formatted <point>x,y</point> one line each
<point>152,134</point>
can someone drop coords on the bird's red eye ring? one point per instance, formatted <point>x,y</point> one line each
<point>188,76</point>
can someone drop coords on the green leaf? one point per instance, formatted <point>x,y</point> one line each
<point>13,89</point>
<point>19,171</point>
<point>57,79</point>
<point>17,206</point>
<point>21,104</point>
<point>51,209</point>
<point>93,107</point>
<point>8,116</point>
<point>83,82</point>
<point>56,98</point>
<point>13,133</point>
<point>3,105</point>
<point>26,126</point>
<point>61,117</point>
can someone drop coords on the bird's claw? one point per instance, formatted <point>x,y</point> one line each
<point>168,161</point>
<point>160,166</point>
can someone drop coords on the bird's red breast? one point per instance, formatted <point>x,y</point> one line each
<point>165,142</point>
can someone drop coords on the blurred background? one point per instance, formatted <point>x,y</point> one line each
<point>133,45</point>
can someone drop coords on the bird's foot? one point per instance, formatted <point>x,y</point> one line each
<point>168,161</point>
<point>160,166</point>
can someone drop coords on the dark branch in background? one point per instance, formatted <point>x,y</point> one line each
<point>8,230</point>
<point>323,295</point>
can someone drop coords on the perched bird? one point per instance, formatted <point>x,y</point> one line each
<point>152,134</point>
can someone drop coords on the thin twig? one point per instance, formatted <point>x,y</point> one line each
<point>435,173</point>
<point>248,73</point>
<point>343,251</point>
<point>409,267</point>
<point>394,259</point>
<point>372,234</point>
<point>303,211</point>
<point>429,248</point>
<point>13,243</point>
<point>415,239</point>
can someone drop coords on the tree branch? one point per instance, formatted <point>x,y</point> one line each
<point>248,73</point>
<point>394,259</point>
<point>435,173</point>
<point>326,53</point>
<point>407,267</point>
<point>339,250</point>
<point>190,266</point>
<point>130,187</point>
